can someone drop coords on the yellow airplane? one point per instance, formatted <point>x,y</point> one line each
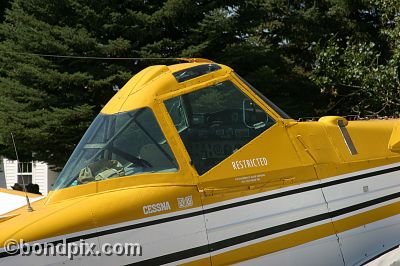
<point>13,199</point>
<point>197,167</point>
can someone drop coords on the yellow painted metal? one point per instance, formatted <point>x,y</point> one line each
<point>297,152</point>
<point>394,142</point>
<point>19,193</point>
<point>7,217</point>
<point>300,237</point>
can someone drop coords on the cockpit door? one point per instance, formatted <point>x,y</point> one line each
<point>258,195</point>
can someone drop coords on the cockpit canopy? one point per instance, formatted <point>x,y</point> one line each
<point>213,122</point>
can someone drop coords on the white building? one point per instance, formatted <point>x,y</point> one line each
<point>31,172</point>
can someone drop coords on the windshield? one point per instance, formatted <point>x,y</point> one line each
<point>118,145</point>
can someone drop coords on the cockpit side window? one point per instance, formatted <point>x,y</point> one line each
<point>119,145</point>
<point>216,121</point>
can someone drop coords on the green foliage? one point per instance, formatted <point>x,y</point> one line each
<point>362,76</point>
<point>310,57</point>
<point>4,4</point>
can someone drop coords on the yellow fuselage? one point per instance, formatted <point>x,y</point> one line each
<point>287,159</point>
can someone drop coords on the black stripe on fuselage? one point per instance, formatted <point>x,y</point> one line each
<point>246,237</point>
<point>303,189</point>
<point>267,232</point>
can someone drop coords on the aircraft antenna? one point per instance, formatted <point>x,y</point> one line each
<point>30,209</point>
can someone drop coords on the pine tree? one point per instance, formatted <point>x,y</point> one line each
<point>3,6</point>
<point>49,101</point>
<point>284,48</point>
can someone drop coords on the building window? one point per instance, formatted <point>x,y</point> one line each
<point>25,173</point>
<point>27,179</point>
<point>25,167</point>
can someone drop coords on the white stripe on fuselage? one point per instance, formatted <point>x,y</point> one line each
<point>169,237</point>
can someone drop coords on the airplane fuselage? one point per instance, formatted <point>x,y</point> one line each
<point>195,166</point>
